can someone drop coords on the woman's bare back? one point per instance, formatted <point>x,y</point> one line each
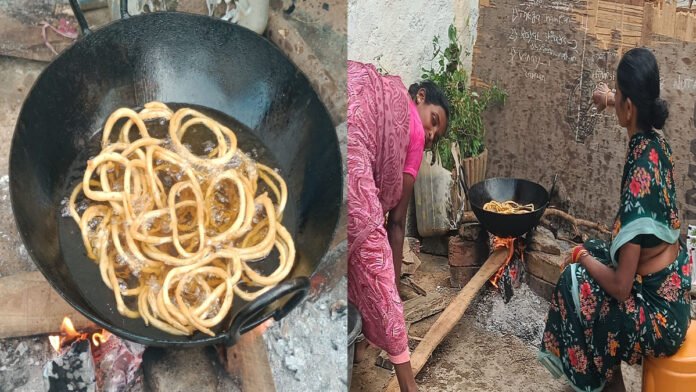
<point>657,258</point>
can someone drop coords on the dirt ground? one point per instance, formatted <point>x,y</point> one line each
<point>493,347</point>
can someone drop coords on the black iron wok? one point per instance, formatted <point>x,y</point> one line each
<point>504,189</point>
<point>176,58</point>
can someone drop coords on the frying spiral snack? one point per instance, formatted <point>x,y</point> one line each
<point>508,207</point>
<point>175,232</point>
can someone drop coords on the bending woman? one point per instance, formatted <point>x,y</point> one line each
<point>630,298</point>
<point>388,129</point>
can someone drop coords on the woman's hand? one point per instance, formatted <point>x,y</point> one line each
<point>600,96</point>
<point>574,256</point>
<point>568,260</point>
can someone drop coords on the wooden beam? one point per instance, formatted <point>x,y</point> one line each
<point>247,360</point>
<point>415,310</point>
<point>30,307</point>
<point>451,315</point>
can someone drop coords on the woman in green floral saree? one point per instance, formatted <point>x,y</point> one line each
<point>630,298</point>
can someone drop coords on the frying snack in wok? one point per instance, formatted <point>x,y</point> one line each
<point>178,232</point>
<point>508,207</point>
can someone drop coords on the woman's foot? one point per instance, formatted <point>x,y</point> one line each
<point>360,349</point>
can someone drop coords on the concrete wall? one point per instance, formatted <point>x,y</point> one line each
<point>466,13</point>
<point>398,33</point>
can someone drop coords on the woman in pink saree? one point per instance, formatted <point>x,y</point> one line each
<point>389,127</point>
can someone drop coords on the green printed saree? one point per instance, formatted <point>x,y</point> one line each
<point>588,333</point>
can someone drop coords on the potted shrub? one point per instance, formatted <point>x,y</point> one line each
<point>464,144</point>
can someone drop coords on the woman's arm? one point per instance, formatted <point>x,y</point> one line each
<point>396,225</point>
<point>617,282</point>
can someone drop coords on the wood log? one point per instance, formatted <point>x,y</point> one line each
<point>248,361</point>
<point>408,282</point>
<point>410,262</point>
<point>451,315</point>
<point>30,307</point>
<point>415,310</point>
<point>575,222</point>
<point>418,308</point>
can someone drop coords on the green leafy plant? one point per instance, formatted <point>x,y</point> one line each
<point>466,127</point>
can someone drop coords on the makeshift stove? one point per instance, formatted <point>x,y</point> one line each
<point>510,275</point>
<point>93,360</point>
<point>472,247</point>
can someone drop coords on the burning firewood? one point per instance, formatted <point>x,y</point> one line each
<point>73,370</point>
<point>93,360</point>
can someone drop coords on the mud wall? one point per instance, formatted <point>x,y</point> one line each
<point>549,56</point>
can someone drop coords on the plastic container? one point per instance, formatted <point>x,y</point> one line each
<point>676,373</point>
<point>251,14</point>
<point>354,329</point>
<point>432,192</point>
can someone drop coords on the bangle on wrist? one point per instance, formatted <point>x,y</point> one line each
<point>576,253</point>
<point>582,254</point>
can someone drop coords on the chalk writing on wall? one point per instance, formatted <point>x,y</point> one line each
<point>542,36</point>
<point>536,38</point>
<point>690,195</point>
<point>684,83</point>
<point>581,113</point>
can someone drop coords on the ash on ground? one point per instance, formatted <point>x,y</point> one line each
<point>21,363</point>
<point>522,317</point>
<point>308,348</point>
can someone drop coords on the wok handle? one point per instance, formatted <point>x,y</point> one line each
<point>124,9</point>
<point>80,16</point>
<point>463,182</point>
<point>82,21</point>
<point>246,318</point>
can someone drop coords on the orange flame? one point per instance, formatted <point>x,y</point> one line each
<point>55,342</point>
<point>68,328</point>
<point>67,331</point>
<point>98,338</point>
<point>69,334</point>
